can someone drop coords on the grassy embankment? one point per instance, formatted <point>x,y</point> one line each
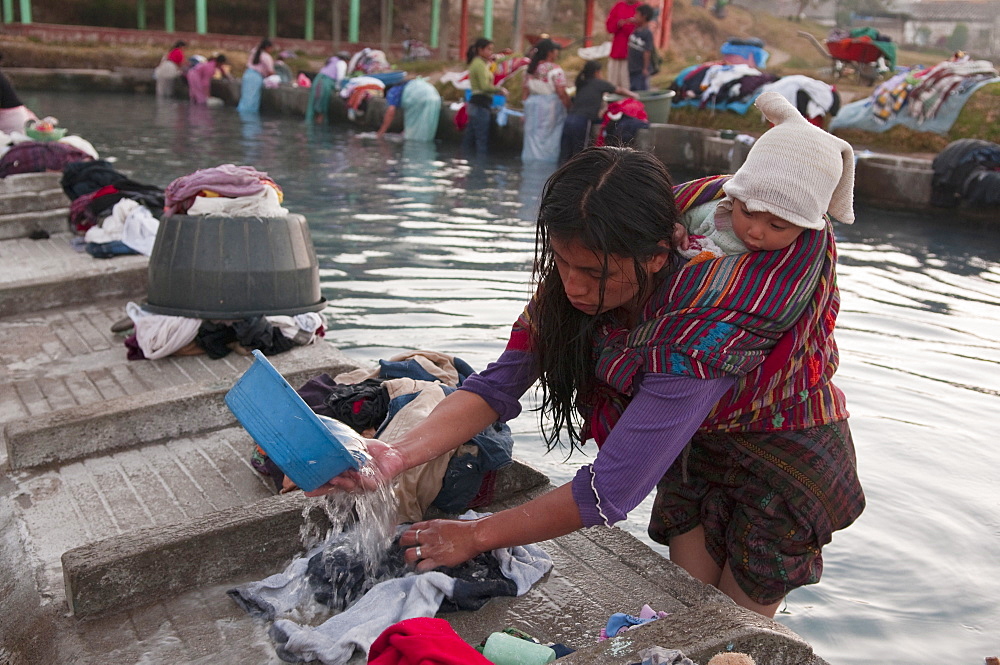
<point>697,36</point>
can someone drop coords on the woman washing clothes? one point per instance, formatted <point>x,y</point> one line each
<point>691,378</point>
<point>200,77</point>
<point>585,109</point>
<point>259,66</point>
<point>545,104</point>
<point>477,132</point>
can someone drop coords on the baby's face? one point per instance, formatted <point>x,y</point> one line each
<point>762,231</point>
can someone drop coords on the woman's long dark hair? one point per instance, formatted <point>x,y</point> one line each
<point>614,201</point>
<point>473,50</point>
<point>264,43</point>
<point>587,74</point>
<point>540,53</point>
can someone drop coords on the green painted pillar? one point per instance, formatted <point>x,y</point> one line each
<point>140,14</point>
<point>26,11</point>
<point>488,19</point>
<point>201,16</point>
<point>168,15</point>
<point>353,20</point>
<point>272,19</point>
<point>8,11</point>
<point>310,20</point>
<point>435,23</point>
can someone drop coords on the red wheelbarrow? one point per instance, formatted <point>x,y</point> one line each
<point>856,54</point>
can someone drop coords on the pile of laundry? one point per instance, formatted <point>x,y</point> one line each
<point>152,336</point>
<point>357,90</point>
<point>333,575</point>
<point>385,402</point>
<point>42,146</point>
<point>368,61</point>
<point>926,99</point>
<point>114,214</point>
<point>227,191</point>
<point>719,86</point>
<point>621,122</point>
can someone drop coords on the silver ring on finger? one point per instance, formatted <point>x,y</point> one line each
<point>416,536</point>
<point>420,554</point>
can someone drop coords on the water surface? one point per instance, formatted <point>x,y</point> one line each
<point>420,250</point>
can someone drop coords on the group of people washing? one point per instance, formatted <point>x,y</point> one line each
<point>199,76</point>
<point>556,125</point>
<point>708,378</point>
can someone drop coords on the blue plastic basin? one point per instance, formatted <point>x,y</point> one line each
<point>309,450</point>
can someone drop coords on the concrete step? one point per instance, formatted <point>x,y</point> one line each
<point>32,201</point>
<point>19,183</point>
<point>159,561</point>
<point>24,224</point>
<point>151,409</point>
<point>144,490</point>
<point>49,273</point>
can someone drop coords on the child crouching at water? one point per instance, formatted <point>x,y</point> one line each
<point>793,176</point>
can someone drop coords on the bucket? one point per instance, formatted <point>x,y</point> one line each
<point>307,448</point>
<point>213,267</point>
<point>656,102</point>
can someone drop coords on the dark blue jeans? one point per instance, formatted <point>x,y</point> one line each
<point>575,136</point>
<point>638,82</point>
<point>477,132</point>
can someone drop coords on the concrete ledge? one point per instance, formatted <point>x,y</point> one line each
<point>677,146</point>
<point>21,225</point>
<point>33,201</point>
<point>892,181</point>
<point>135,420</point>
<point>121,277</point>
<point>31,182</point>
<point>149,564</point>
<point>702,631</point>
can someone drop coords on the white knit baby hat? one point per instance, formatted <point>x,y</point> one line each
<point>796,170</point>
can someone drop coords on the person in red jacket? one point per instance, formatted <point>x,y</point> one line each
<point>620,24</point>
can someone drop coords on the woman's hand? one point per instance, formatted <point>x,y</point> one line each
<point>440,543</point>
<point>384,464</point>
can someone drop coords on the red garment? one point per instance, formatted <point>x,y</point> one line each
<point>462,117</point>
<point>619,42</point>
<point>176,56</point>
<point>627,106</point>
<point>422,641</point>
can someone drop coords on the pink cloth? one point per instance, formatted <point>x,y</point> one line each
<point>225,180</point>
<point>199,80</point>
<point>265,66</point>
<point>619,42</point>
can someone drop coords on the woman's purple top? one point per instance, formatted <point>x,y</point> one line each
<point>662,417</point>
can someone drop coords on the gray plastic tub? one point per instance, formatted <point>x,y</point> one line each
<point>213,267</point>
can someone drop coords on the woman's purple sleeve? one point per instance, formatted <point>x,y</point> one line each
<point>503,382</point>
<point>660,420</point>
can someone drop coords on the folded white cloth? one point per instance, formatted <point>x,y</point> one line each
<point>262,204</point>
<point>160,335</point>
